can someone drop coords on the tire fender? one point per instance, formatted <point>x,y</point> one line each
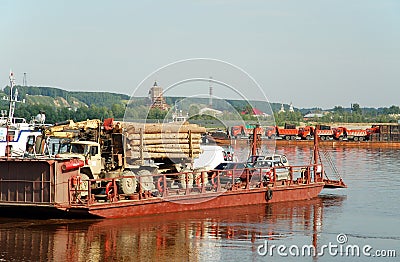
<point>214,183</point>
<point>268,194</point>
<point>159,186</point>
<point>109,188</point>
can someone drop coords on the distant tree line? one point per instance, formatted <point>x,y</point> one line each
<point>338,114</point>
<point>89,98</point>
<point>103,105</point>
<point>54,114</point>
<point>117,111</point>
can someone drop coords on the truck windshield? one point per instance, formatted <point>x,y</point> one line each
<point>78,148</point>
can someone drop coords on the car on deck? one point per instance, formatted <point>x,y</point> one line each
<point>229,172</point>
<point>265,168</point>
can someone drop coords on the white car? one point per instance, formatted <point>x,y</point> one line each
<point>252,160</point>
<point>281,170</point>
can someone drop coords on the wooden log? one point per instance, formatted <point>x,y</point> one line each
<point>132,136</point>
<point>183,146</point>
<point>167,150</point>
<point>170,150</point>
<point>133,128</point>
<point>190,144</point>
<point>147,155</point>
<point>157,125</point>
<point>166,146</point>
<point>161,142</point>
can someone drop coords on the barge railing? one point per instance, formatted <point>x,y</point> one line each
<point>108,190</point>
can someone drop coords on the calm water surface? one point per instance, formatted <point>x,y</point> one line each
<point>368,213</point>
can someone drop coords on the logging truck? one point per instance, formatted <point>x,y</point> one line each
<point>130,150</point>
<point>97,147</point>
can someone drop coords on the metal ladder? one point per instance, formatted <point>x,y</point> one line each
<point>331,164</point>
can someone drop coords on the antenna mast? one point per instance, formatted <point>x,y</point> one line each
<point>13,98</point>
<point>24,82</point>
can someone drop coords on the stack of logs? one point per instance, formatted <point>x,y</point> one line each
<point>163,140</point>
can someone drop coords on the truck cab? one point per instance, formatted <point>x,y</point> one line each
<point>87,151</point>
<point>238,131</point>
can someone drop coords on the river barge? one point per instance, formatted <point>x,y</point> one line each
<point>54,187</point>
<point>310,143</point>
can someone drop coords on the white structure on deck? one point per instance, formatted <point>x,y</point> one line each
<point>16,135</point>
<point>212,155</point>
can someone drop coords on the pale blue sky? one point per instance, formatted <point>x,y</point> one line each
<point>313,53</point>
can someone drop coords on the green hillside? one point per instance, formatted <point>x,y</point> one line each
<point>61,98</point>
<point>60,105</point>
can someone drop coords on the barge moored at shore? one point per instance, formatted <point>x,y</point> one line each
<point>44,187</point>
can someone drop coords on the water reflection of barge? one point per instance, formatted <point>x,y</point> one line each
<point>42,188</point>
<point>176,235</point>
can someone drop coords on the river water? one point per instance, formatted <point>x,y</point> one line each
<point>363,217</point>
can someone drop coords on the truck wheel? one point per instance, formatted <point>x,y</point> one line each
<point>287,137</point>
<point>355,138</point>
<point>340,138</point>
<point>361,138</point>
<point>322,137</point>
<point>308,137</point>
<point>127,185</point>
<point>146,180</point>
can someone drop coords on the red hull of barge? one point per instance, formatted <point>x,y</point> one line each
<point>49,186</point>
<point>42,184</point>
<point>40,189</point>
<point>239,197</point>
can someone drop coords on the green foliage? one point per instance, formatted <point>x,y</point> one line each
<point>89,98</point>
<point>391,110</point>
<point>99,98</point>
<point>288,117</point>
<point>203,117</point>
<point>61,105</point>
<point>193,110</point>
<point>156,113</point>
<point>356,114</point>
<point>338,109</point>
<point>118,110</point>
<point>54,114</point>
<point>356,109</point>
